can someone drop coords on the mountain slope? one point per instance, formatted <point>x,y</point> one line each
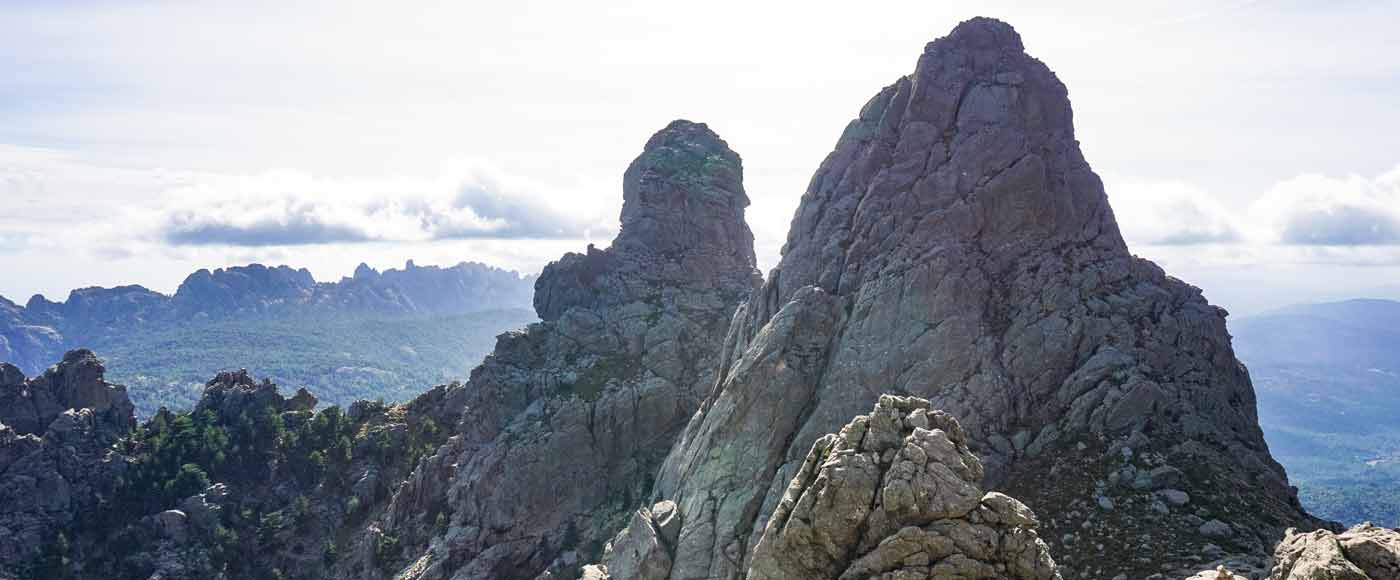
<point>1341,362</point>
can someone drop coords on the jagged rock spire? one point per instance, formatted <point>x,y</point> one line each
<point>956,246</point>
<point>682,227</point>
<point>565,423</point>
<point>975,148</point>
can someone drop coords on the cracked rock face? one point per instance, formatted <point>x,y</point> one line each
<point>562,428</point>
<point>1364,552</point>
<point>956,246</point>
<point>897,494</point>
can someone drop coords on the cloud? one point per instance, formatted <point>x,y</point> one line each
<point>297,225</point>
<point>292,209</point>
<point>508,218</point>
<point>12,242</point>
<point>1318,210</point>
<point>1170,213</point>
<point>1341,226</point>
<point>1342,215</point>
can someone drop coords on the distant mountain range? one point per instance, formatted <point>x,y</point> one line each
<point>1327,378</point>
<point>390,333</point>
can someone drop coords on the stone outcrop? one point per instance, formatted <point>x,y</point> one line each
<point>895,494</point>
<point>956,246</point>
<point>642,550</point>
<point>30,406</point>
<point>232,393</point>
<point>1364,552</point>
<point>57,464</point>
<point>563,427</point>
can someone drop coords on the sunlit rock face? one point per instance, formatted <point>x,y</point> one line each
<point>1364,552</point>
<point>895,494</point>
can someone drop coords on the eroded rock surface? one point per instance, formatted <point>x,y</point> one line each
<point>895,494</point>
<point>563,427</point>
<point>1364,552</point>
<point>956,246</point>
<point>31,405</point>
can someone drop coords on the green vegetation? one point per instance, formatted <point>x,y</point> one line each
<point>1327,377</point>
<point>1343,477</point>
<point>590,383</point>
<point>688,166</point>
<point>289,474</point>
<point>339,360</point>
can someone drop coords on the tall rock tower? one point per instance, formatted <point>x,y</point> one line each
<point>956,246</point>
<point>564,425</point>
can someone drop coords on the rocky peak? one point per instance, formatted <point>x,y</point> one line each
<point>682,227</point>
<point>243,287</point>
<point>565,423</point>
<point>973,152</point>
<point>364,272</point>
<point>30,406</point>
<point>685,192</point>
<point>956,246</point>
<point>233,393</point>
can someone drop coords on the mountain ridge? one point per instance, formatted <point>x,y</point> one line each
<point>41,330</point>
<point>955,311</point>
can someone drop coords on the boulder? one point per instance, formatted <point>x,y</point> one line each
<point>1364,552</point>
<point>896,494</point>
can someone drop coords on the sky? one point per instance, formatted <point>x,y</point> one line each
<point>1250,148</point>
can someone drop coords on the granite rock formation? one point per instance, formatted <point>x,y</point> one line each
<point>57,464</point>
<point>896,494</point>
<point>956,246</point>
<point>1364,552</point>
<point>564,426</point>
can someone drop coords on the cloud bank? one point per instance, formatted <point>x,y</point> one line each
<point>291,209</point>
<point>1309,217</point>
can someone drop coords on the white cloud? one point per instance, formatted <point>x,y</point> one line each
<point>291,208</point>
<point>1170,213</point>
<point>1318,210</point>
<point>113,225</point>
<point>1309,217</point>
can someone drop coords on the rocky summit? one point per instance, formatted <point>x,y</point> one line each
<point>956,246</point>
<point>564,425</point>
<point>675,416</point>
